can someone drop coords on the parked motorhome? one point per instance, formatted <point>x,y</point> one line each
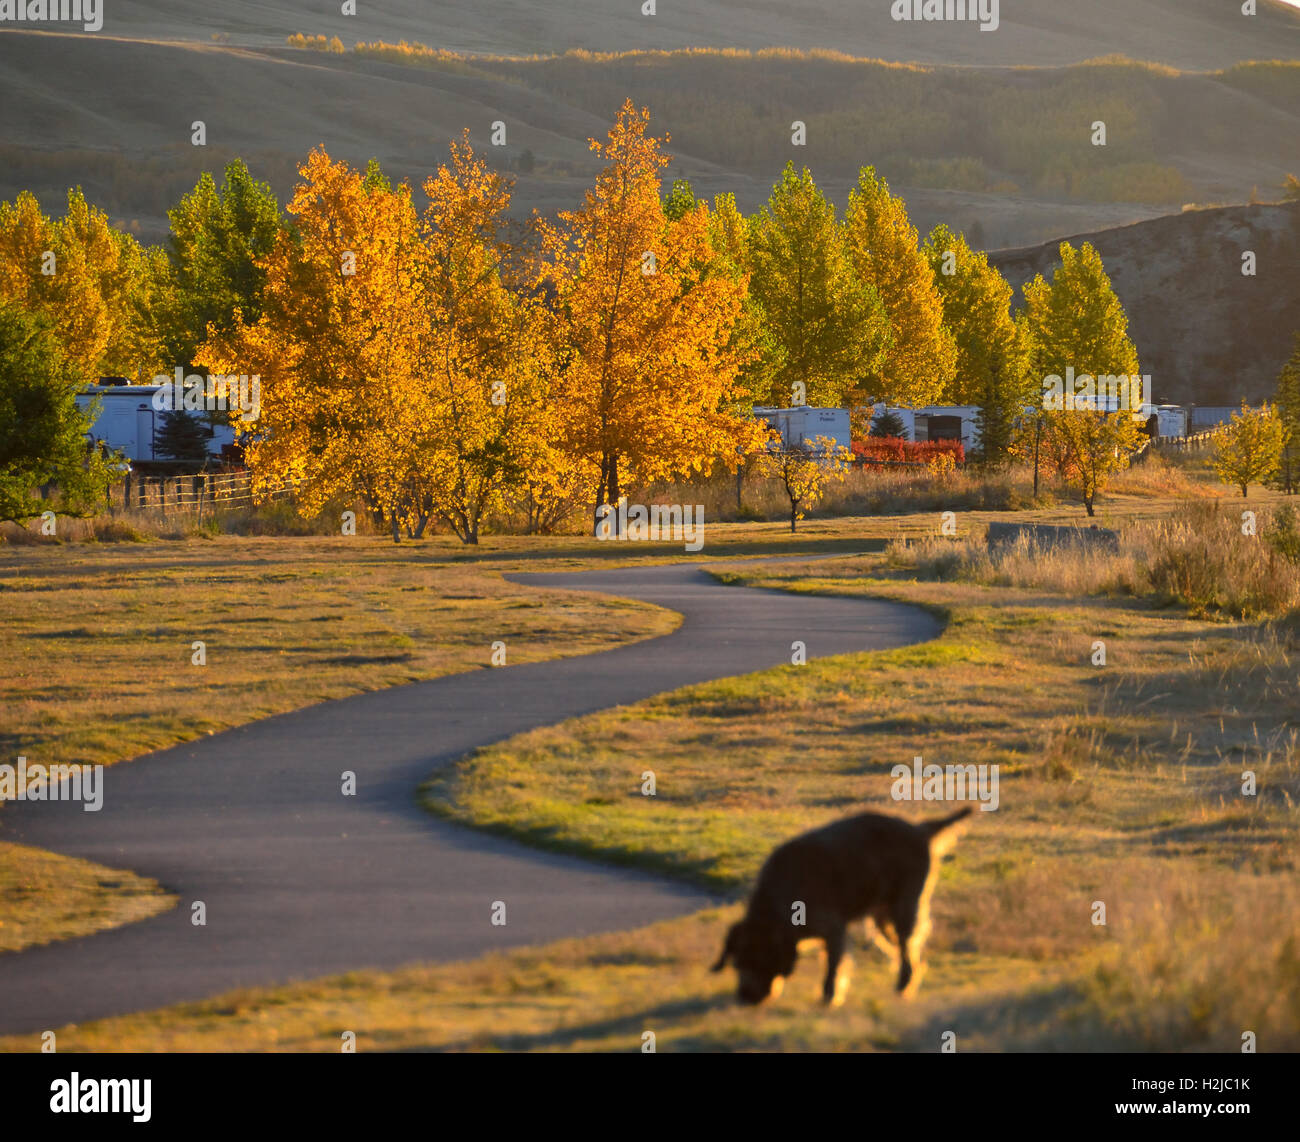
<point>937,422</point>
<point>129,421</point>
<point>1208,417</point>
<point>801,425</point>
<point>1171,420</point>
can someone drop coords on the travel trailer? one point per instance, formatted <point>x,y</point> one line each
<point>128,421</point>
<point>800,426</point>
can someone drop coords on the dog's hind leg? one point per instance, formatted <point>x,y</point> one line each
<point>912,923</point>
<point>879,929</point>
<point>834,953</point>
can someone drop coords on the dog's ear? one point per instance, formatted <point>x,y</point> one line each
<point>728,947</point>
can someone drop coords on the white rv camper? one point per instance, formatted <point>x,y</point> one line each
<point>128,421</point>
<point>800,426</point>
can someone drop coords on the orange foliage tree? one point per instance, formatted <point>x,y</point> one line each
<point>336,347</point>
<point>646,387</point>
<point>396,364</point>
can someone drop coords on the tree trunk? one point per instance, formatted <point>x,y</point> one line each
<point>397,529</point>
<point>608,492</point>
<point>794,508</point>
<point>600,495</point>
<point>615,492</point>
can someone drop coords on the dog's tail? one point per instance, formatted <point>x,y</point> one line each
<point>933,828</point>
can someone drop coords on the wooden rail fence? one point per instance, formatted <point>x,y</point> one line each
<point>200,493</point>
<point>1197,442</point>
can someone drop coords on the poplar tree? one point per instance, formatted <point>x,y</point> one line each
<point>219,238</point>
<point>647,384</point>
<point>991,360</point>
<point>920,365</point>
<point>92,281</point>
<point>1076,320</point>
<point>828,326</point>
<point>1287,401</point>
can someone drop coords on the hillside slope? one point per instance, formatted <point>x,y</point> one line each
<point>1182,33</point>
<point>1206,333</point>
<point>1003,154</point>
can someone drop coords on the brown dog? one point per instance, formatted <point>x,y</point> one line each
<point>814,886</point>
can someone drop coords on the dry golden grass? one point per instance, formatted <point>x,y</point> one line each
<point>45,896</point>
<point>1120,784</point>
<point>96,640</point>
<point>1198,559</point>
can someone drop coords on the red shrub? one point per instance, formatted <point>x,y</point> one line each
<point>895,449</point>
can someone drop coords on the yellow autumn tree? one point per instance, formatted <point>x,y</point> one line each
<point>337,348</point>
<point>921,362</point>
<point>1094,445</point>
<point>483,357</point>
<point>91,280</point>
<point>396,363</point>
<point>647,382</point>
<point>805,471</point>
<point>1249,449</point>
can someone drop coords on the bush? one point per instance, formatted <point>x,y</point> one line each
<point>1198,559</point>
<point>1282,534</point>
<point>895,449</point>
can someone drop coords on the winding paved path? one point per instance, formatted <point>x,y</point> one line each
<point>301,882</point>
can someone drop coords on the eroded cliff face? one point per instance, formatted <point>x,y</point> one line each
<point>1206,332</point>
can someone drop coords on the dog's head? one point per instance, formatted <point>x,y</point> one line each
<point>760,958</point>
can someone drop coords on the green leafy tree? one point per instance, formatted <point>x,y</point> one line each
<point>680,201</point>
<point>1249,449</point>
<point>922,361</point>
<point>1287,398</point>
<point>42,433</point>
<point>828,326</point>
<point>1076,321</point>
<point>753,342</point>
<point>992,368</point>
<point>218,236</point>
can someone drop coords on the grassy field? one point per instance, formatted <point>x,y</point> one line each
<point>1119,783</point>
<point>96,637</point>
<point>45,896</point>
<point>95,642</point>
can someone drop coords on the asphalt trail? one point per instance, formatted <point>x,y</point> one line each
<point>301,882</point>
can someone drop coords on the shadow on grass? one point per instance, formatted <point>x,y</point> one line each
<point>632,1025</point>
<point>668,552</point>
<point>1036,1021</point>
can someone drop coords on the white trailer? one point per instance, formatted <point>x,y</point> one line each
<point>129,421</point>
<point>799,427</point>
<point>1171,420</point>
<point>936,422</point>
